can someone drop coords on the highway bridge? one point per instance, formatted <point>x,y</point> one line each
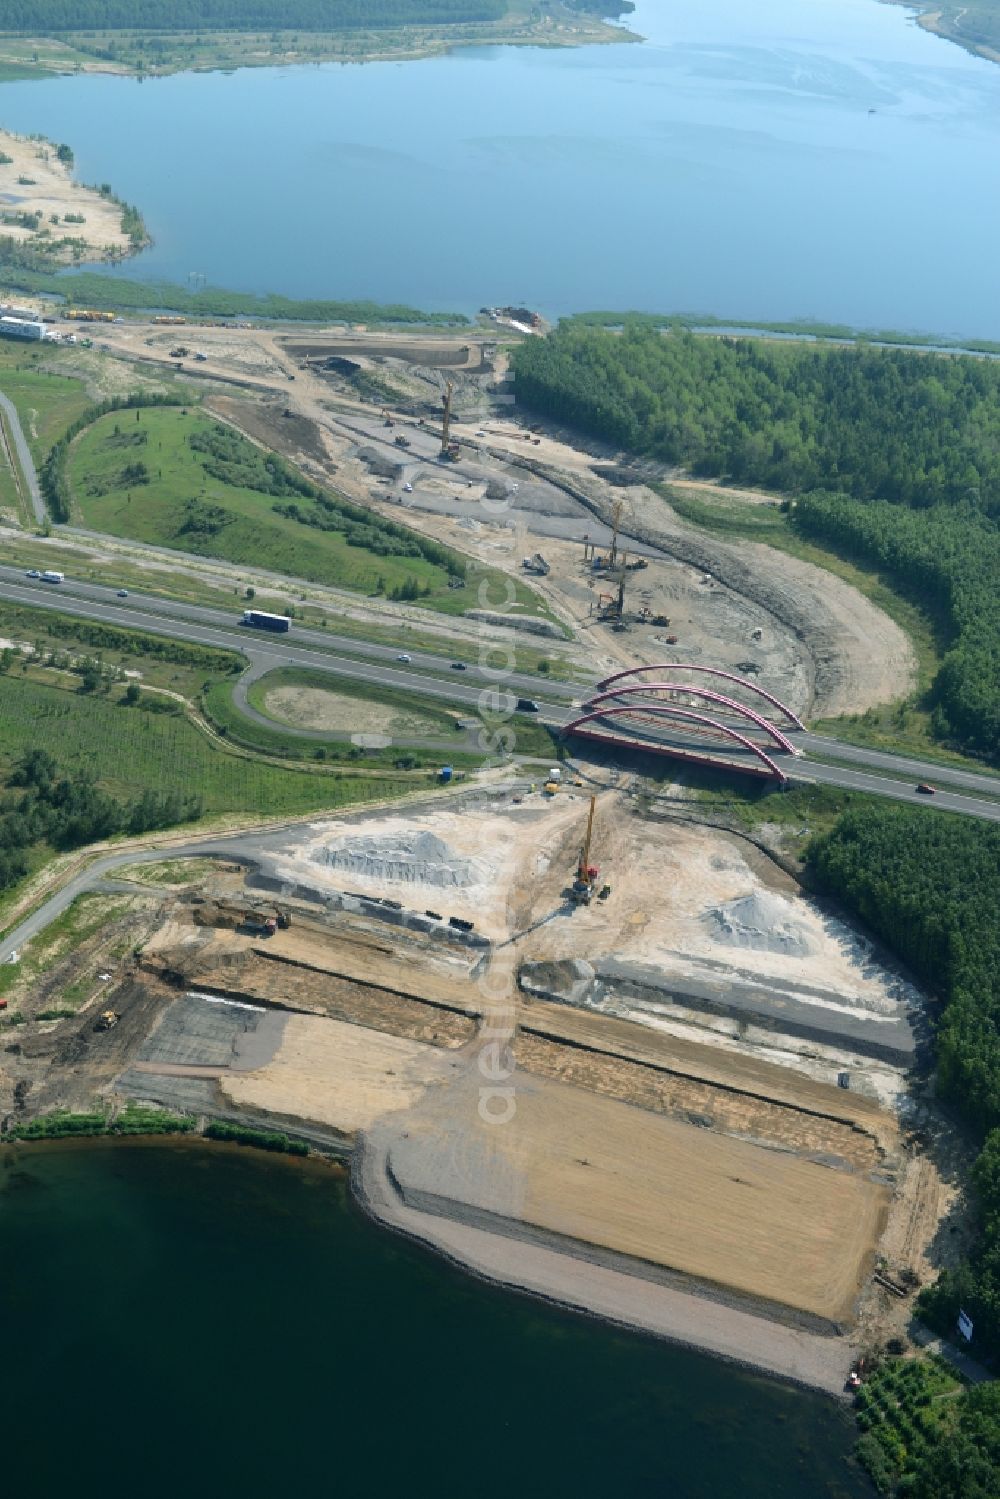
<point>561,705</point>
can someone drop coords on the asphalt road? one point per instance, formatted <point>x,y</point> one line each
<point>97,872</point>
<point>24,458</point>
<point>899,791</point>
<point>822,746</point>
<point>475,688</point>
<point>320,649</point>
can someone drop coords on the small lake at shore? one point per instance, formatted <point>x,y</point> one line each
<point>204,1320</point>
<point>804,158</point>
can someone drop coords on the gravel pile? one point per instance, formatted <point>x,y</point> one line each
<point>412,858</point>
<point>763,922</point>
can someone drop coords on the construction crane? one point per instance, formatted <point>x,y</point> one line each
<point>616,521</point>
<point>586,873</point>
<point>449,449</point>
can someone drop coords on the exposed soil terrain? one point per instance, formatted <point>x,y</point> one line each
<point>805,634</point>
<point>35,181</point>
<point>432,1000</point>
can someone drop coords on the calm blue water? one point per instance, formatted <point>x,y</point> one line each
<point>728,165</point>
<point>184,1322</point>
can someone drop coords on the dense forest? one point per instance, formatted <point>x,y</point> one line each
<point>947,560</point>
<point>877,424</point>
<point>68,811</point>
<point>929,885</point>
<point>895,458</point>
<point>40,16</point>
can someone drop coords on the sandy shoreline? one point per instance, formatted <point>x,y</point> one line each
<point>795,1356</point>
<point>34,181</point>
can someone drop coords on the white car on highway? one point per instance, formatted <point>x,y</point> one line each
<point>404,658</point>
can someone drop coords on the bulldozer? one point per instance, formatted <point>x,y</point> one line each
<point>107,1020</point>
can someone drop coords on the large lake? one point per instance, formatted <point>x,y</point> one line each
<point>188,1321</point>
<point>732,164</point>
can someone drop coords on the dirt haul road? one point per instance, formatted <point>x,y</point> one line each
<point>848,654</point>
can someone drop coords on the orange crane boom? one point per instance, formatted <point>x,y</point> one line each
<point>586,873</point>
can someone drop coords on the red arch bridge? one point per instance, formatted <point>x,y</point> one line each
<point>651,709</point>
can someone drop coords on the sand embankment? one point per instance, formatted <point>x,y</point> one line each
<point>796,1355</point>
<point>35,181</point>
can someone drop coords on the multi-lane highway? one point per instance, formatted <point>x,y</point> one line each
<point>821,759</point>
<point>322,649</point>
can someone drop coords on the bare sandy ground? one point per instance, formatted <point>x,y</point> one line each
<point>315,708</point>
<point>343,1075</point>
<point>668,880</point>
<point>52,190</point>
<point>826,645</point>
<point>758,1222</point>
<point>494,850</point>
<point>859,657</point>
<point>794,1354</point>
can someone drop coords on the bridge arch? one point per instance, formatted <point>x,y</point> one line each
<point>665,711</point>
<point>712,671</point>
<point>774,733</point>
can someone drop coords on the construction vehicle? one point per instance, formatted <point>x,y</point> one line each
<point>611,607</point>
<point>582,889</point>
<point>616,520</point>
<point>550,788</point>
<point>107,1020</point>
<point>660,619</point>
<point>89,315</point>
<point>449,449</point>
<point>402,442</point>
<point>236,916</point>
<point>263,926</point>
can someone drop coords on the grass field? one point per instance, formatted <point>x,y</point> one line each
<point>159,662</point>
<point>146,476</point>
<point>81,921</point>
<point>13,497</point>
<point>427,717</point>
<point>217,704</point>
<point>46,403</point>
<point>314,700</point>
<point>129,750</point>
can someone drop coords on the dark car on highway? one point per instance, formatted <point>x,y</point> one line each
<point>458,666</point>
